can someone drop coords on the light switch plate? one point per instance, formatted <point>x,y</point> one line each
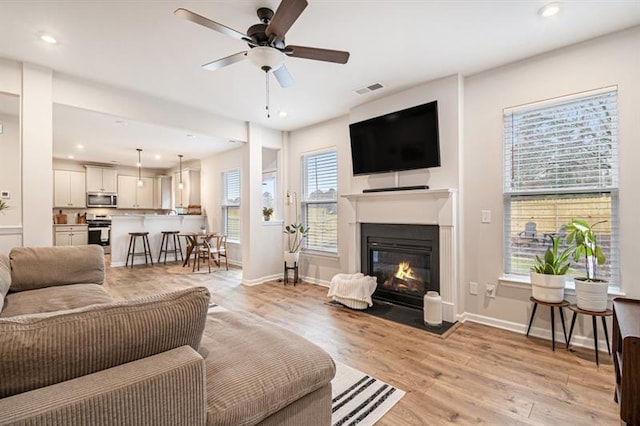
<point>486,216</point>
<point>5,195</point>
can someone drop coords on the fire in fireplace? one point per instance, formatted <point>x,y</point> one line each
<point>404,260</point>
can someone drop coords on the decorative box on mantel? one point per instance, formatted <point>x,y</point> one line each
<point>425,207</point>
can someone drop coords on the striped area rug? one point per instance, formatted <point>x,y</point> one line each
<point>359,398</point>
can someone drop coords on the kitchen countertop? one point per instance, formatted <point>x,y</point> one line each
<point>69,224</point>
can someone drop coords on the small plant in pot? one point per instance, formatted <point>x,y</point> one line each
<point>266,213</point>
<point>296,233</point>
<point>591,292</point>
<point>548,273</point>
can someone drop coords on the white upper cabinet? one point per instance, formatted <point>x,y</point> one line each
<point>190,192</point>
<point>69,189</point>
<point>101,179</point>
<point>132,196</point>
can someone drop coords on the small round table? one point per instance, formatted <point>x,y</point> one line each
<point>551,305</point>
<point>593,314</point>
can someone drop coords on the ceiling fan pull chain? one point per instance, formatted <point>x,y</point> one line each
<point>266,75</point>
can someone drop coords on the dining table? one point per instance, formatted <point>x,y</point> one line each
<point>193,240</point>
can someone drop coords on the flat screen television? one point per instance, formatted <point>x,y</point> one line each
<point>401,140</point>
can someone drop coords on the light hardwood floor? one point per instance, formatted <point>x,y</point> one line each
<point>477,375</point>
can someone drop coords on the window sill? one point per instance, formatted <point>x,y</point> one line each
<point>272,222</point>
<point>521,281</point>
<point>316,253</point>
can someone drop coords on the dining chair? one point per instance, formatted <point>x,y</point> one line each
<point>219,250</point>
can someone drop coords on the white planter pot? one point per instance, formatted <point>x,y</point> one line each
<point>291,259</point>
<point>591,295</point>
<point>547,288</point>
<point>432,308</point>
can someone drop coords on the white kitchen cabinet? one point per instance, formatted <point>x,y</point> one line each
<point>69,189</point>
<point>132,196</point>
<point>190,193</point>
<point>162,192</point>
<point>71,235</point>
<point>101,179</point>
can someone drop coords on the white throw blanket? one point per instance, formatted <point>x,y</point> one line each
<point>353,290</point>
<point>104,235</point>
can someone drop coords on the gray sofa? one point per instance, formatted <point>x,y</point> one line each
<point>72,355</point>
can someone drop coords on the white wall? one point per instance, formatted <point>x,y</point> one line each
<point>10,178</point>
<point>211,186</point>
<point>335,133</point>
<point>607,61</point>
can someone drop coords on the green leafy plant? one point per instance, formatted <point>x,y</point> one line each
<point>296,233</point>
<point>3,206</point>
<point>581,235</point>
<point>267,211</point>
<point>554,262</point>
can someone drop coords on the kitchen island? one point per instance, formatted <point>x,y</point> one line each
<point>121,225</point>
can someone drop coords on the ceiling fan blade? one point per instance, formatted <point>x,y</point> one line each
<point>283,76</point>
<point>217,64</point>
<point>326,55</point>
<point>285,16</point>
<point>206,22</point>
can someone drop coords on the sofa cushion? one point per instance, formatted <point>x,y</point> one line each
<point>38,267</point>
<point>256,368</point>
<point>42,349</point>
<point>5,278</point>
<point>51,299</point>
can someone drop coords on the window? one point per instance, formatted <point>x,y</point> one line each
<point>231,204</point>
<point>320,200</point>
<point>268,189</point>
<point>560,163</point>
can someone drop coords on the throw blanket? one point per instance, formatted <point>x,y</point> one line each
<point>353,290</point>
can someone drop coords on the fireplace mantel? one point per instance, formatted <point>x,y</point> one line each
<point>423,206</point>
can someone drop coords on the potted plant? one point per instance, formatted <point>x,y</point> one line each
<point>266,213</point>
<point>3,206</point>
<point>591,292</point>
<point>296,233</point>
<point>548,273</point>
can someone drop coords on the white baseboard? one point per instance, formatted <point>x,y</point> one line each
<point>261,280</point>
<point>312,280</point>
<point>542,333</point>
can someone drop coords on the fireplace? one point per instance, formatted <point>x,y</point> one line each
<point>403,258</point>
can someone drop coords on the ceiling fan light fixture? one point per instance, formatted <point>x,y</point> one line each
<point>266,58</point>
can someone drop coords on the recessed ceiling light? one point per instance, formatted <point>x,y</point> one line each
<point>158,156</point>
<point>80,146</point>
<point>283,114</point>
<point>189,135</point>
<point>121,122</point>
<point>550,9</point>
<point>70,157</point>
<point>48,39</point>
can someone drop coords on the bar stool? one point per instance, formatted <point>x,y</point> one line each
<point>551,305</point>
<point>132,247</point>
<point>164,246</point>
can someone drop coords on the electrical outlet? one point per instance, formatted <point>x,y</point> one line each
<point>486,216</point>
<point>5,195</point>
<point>473,288</point>
<point>491,290</point>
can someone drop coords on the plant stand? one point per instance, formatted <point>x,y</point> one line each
<point>576,310</point>
<point>560,305</point>
<point>293,268</point>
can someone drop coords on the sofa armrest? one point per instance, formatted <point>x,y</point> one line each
<point>164,389</point>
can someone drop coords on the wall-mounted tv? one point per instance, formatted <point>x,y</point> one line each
<point>401,140</point>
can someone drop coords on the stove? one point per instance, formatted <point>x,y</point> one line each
<point>99,227</point>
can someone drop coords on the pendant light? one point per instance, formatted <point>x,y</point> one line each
<point>180,185</point>
<point>140,183</point>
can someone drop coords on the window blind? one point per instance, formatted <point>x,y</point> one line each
<point>560,163</point>
<point>231,204</point>
<point>320,200</point>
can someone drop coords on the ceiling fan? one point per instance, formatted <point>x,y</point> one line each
<point>267,48</point>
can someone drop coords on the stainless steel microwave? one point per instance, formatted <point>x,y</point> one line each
<point>102,199</point>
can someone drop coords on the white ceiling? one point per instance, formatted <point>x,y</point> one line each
<point>140,45</point>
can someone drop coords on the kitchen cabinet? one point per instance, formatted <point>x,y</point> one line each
<point>190,193</point>
<point>71,235</point>
<point>101,179</point>
<point>69,189</point>
<point>162,192</point>
<point>132,196</point>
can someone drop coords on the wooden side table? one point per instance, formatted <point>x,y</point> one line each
<point>593,314</point>
<point>551,305</point>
